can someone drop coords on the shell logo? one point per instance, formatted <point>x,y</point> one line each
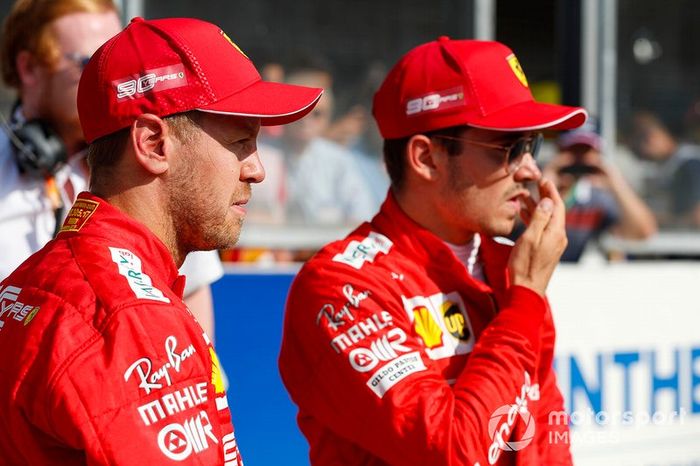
<point>426,327</point>
<point>216,380</point>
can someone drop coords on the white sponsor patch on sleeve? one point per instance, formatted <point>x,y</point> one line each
<point>359,252</point>
<point>394,372</point>
<point>130,267</point>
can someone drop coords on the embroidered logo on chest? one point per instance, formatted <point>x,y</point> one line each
<point>129,265</point>
<point>442,323</point>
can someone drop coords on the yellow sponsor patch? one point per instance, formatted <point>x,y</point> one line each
<point>426,327</point>
<point>79,215</point>
<point>31,315</point>
<point>216,380</point>
<point>454,321</point>
<point>441,321</point>
<point>233,43</point>
<point>517,69</point>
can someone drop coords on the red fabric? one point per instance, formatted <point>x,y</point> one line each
<point>485,343</point>
<point>447,83</point>
<point>174,65</point>
<point>98,319</point>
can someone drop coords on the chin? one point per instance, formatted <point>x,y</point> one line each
<point>219,235</point>
<point>501,229</point>
<point>230,236</point>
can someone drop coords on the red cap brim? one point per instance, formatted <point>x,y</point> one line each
<point>531,116</point>
<point>274,103</point>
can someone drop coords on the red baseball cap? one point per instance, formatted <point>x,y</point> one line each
<point>448,83</point>
<point>174,65</point>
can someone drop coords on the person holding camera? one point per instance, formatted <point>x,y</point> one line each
<point>596,194</point>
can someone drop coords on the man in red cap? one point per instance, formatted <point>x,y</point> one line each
<point>107,364</point>
<point>421,338</point>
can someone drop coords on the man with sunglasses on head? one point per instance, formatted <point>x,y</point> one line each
<point>423,338</point>
<point>44,47</point>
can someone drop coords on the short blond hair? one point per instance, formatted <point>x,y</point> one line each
<point>27,28</point>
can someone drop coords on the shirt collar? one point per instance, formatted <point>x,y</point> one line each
<point>428,248</point>
<point>93,216</point>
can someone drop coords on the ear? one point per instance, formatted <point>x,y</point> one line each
<point>29,69</point>
<point>151,143</point>
<point>421,157</point>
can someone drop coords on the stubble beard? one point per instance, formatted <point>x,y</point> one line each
<point>199,222</point>
<point>490,224</point>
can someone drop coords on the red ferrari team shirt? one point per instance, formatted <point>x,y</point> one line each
<point>395,355</point>
<point>103,363</point>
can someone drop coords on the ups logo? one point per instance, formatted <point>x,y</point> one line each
<point>455,321</point>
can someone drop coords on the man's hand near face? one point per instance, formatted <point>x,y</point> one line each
<point>537,251</point>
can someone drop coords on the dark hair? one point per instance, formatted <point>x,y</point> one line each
<point>395,151</point>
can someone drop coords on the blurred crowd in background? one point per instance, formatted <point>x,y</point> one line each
<point>325,173</point>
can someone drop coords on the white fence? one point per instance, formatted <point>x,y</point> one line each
<point>628,360</point>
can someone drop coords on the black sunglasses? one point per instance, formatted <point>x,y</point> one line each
<point>514,152</point>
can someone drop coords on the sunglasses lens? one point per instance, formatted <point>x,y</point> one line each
<point>516,150</point>
<point>530,145</point>
<point>536,144</point>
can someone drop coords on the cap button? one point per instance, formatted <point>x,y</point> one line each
<point>136,19</point>
<point>443,38</point>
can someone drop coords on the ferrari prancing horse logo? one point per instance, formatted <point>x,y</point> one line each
<point>517,69</point>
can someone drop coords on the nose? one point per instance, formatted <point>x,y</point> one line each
<point>252,170</point>
<point>528,169</point>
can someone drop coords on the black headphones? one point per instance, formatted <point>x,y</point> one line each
<point>38,150</point>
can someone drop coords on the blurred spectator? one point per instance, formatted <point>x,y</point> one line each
<point>674,187</point>
<point>355,131</point>
<point>268,202</point>
<point>267,205</point>
<point>692,122</point>
<point>324,185</point>
<point>274,72</point>
<point>45,45</point>
<point>597,196</point>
